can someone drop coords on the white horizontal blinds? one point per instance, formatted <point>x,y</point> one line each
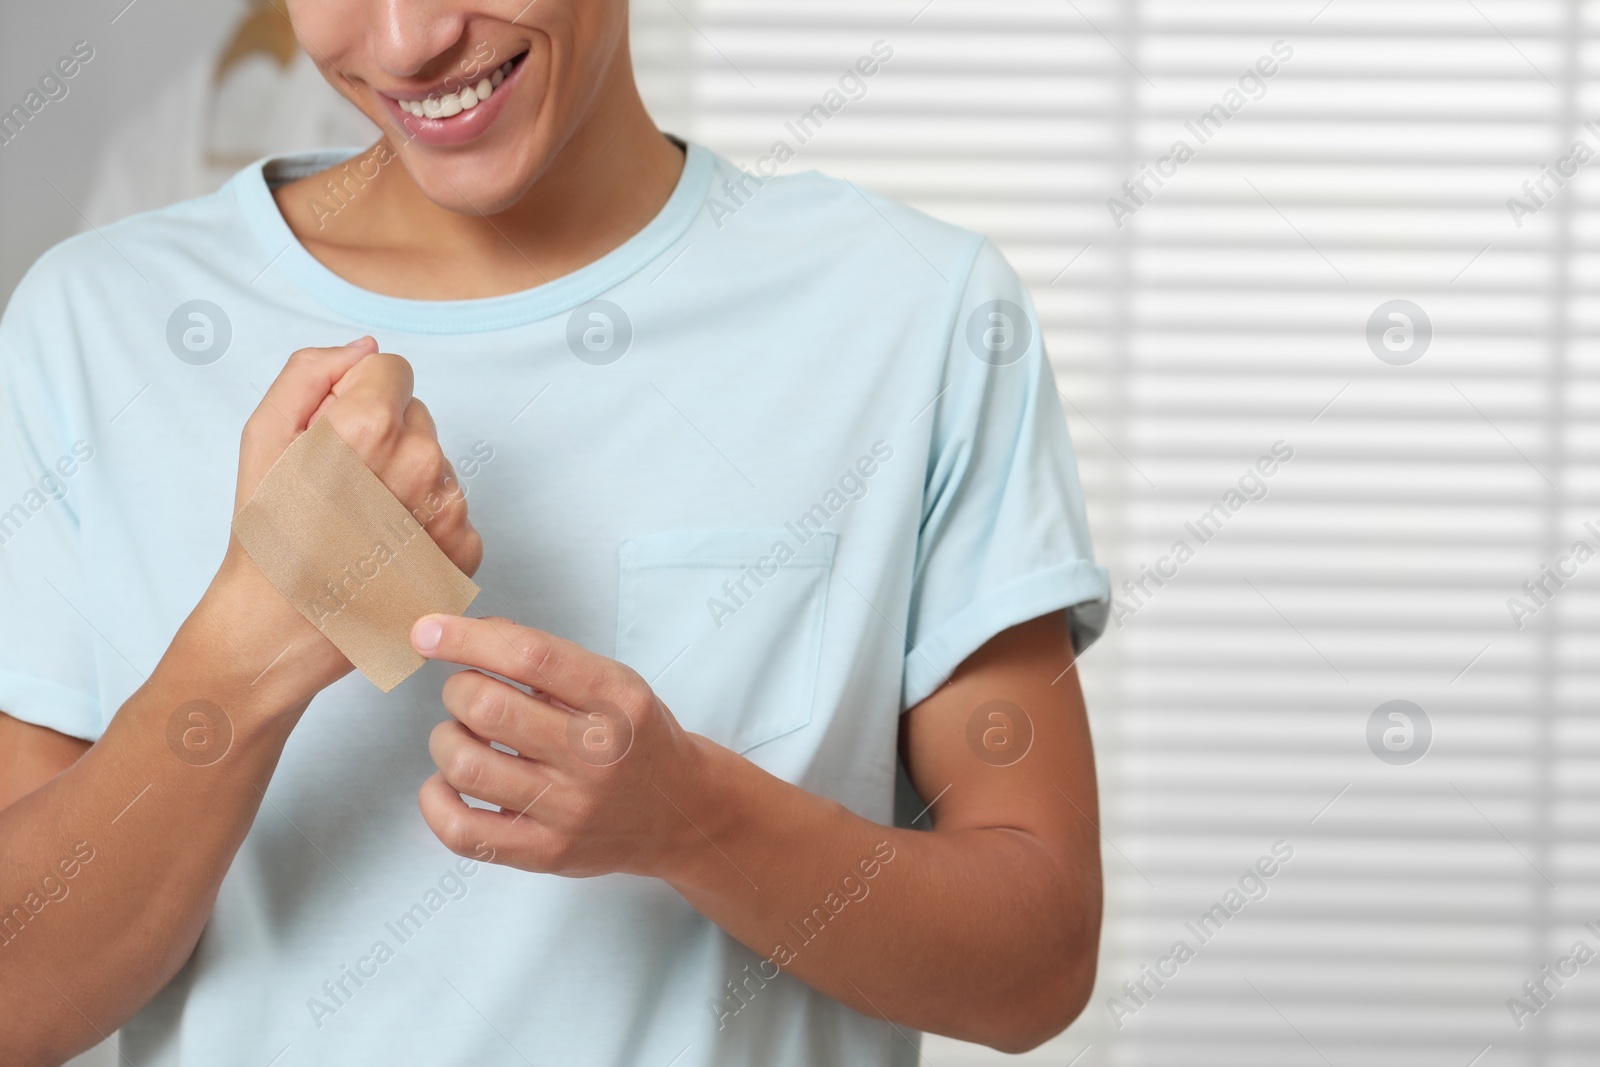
<point>1569,630</point>
<point>663,62</point>
<point>1228,314</point>
<point>1373,167</point>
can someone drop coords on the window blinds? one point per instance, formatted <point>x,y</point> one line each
<point>1319,281</point>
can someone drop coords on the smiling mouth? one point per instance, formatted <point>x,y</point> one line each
<point>448,105</point>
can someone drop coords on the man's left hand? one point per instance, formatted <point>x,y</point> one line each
<point>600,765</point>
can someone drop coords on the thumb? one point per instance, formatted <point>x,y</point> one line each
<point>288,406</point>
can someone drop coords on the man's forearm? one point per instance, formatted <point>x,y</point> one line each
<point>111,868</point>
<point>981,934</point>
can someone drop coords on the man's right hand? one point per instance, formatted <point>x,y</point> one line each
<point>165,820</point>
<point>366,397</point>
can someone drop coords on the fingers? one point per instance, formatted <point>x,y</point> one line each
<point>369,406</point>
<point>465,830</point>
<point>380,378</point>
<point>289,405</point>
<point>496,711</point>
<point>566,671</point>
<point>374,413</point>
<point>305,381</point>
<point>425,481</point>
<point>418,419</point>
<point>366,397</point>
<point>474,768</point>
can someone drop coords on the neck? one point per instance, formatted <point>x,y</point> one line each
<point>599,188</point>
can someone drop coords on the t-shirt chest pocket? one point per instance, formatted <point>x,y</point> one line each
<point>726,625</point>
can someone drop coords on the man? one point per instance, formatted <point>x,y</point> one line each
<point>780,504</point>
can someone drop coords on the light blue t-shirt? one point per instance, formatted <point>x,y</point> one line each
<point>793,453</point>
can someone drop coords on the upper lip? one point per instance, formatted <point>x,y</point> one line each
<point>450,83</point>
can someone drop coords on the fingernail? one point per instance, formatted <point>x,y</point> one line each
<point>363,339</point>
<point>425,635</point>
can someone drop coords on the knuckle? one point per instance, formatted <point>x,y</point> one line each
<point>468,551</point>
<point>446,523</point>
<point>534,649</point>
<point>450,487</point>
<point>391,363</point>
<point>416,468</point>
<point>466,770</point>
<point>585,810</point>
<point>421,455</point>
<point>456,835</point>
<point>486,708</point>
<point>365,428</point>
<point>416,488</point>
<point>636,700</point>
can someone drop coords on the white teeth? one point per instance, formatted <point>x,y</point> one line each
<point>443,107</point>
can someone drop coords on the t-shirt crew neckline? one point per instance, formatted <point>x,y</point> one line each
<point>282,251</point>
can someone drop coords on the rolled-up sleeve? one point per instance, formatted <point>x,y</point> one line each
<point>1004,535</point>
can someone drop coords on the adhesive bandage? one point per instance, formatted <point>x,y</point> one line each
<point>348,555</point>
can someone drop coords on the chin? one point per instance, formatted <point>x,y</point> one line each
<point>483,181</point>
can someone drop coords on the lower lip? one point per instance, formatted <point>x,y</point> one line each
<point>458,129</point>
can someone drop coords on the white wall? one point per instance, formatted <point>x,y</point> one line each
<point>60,145</point>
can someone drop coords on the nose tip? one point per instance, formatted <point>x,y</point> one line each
<point>409,37</point>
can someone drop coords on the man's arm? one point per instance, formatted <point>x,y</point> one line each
<point>985,927</point>
<point>30,756</point>
<point>111,865</point>
<point>111,855</point>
